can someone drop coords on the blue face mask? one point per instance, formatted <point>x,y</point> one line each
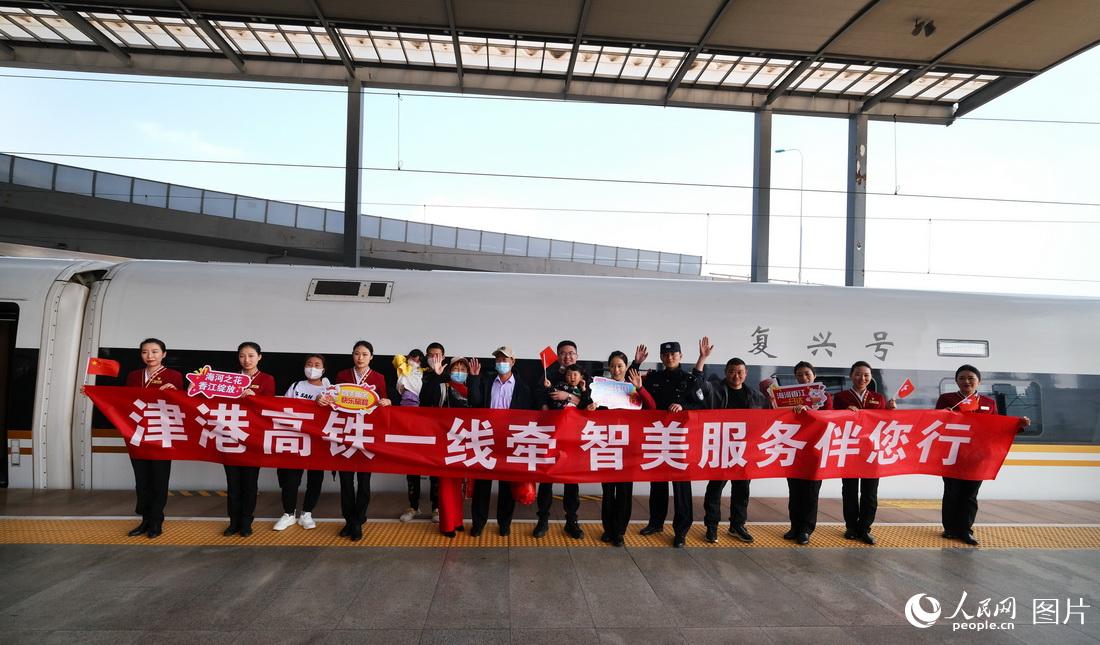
<point>504,368</point>
<point>458,377</point>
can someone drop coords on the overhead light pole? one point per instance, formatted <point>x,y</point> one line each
<point>801,186</point>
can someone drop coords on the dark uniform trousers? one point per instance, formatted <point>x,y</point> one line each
<point>571,501</point>
<point>802,504</point>
<point>681,505</point>
<point>354,496</point>
<point>151,484</point>
<point>414,491</point>
<point>242,487</point>
<point>479,506</point>
<point>289,481</point>
<point>615,509</point>
<point>860,502</point>
<point>960,504</point>
<point>739,502</point>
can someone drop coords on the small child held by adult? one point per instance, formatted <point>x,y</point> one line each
<point>573,384</point>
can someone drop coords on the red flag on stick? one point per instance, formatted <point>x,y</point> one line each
<point>905,390</point>
<point>548,357</point>
<point>102,367</point>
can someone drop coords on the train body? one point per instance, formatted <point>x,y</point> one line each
<point>1038,355</point>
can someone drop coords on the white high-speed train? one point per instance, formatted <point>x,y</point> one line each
<point>1038,355</point>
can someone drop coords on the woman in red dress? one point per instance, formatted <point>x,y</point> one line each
<point>960,496</point>
<point>151,475</point>
<point>242,482</point>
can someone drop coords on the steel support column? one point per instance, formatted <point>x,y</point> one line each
<point>856,235</point>
<point>761,193</point>
<point>352,173</point>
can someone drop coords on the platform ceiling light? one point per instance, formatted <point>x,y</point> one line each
<point>927,26</point>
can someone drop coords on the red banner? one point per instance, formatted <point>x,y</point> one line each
<point>559,446</point>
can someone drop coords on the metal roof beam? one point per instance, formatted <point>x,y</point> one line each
<point>449,5</point>
<point>582,23</point>
<point>987,94</point>
<point>797,72</point>
<point>6,52</point>
<point>914,74</point>
<point>89,30</point>
<point>215,36</point>
<point>337,42</point>
<point>689,60</point>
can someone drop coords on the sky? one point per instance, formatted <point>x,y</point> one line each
<point>954,213</point>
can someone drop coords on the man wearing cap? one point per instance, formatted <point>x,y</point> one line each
<point>503,392</point>
<point>571,499</point>
<point>731,393</point>
<point>675,390</point>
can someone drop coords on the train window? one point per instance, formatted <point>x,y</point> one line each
<point>968,348</point>
<point>362,291</point>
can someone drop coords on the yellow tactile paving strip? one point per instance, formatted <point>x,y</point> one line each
<point>424,534</point>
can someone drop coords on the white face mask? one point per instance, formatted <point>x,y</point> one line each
<point>313,373</point>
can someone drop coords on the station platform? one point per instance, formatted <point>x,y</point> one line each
<point>70,574</point>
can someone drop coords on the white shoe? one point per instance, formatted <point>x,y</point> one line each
<point>408,515</point>
<point>435,516</point>
<point>286,521</point>
<point>306,521</point>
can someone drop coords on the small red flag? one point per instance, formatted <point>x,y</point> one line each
<point>905,390</point>
<point>102,367</point>
<point>548,357</point>
<point>969,404</point>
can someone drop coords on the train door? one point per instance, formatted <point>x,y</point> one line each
<point>9,318</point>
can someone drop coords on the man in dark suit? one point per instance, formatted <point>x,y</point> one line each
<point>502,392</point>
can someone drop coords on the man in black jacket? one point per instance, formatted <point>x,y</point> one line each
<point>502,392</point>
<point>571,497</point>
<point>675,390</point>
<point>731,393</point>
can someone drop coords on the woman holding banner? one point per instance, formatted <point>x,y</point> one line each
<point>311,388</point>
<point>860,496</point>
<point>804,493</point>
<point>242,482</point>
<point>355,486</point>
<point>151,475</point>
<point>960,496</point>
<point>446,388</point>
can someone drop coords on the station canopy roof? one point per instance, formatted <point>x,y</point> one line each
<point>930,61</point>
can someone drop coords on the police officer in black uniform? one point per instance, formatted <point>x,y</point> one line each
<point>731,394</point>
<point>675,389</point>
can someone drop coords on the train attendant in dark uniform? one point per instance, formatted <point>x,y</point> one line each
<point>151,475</point>
<point>860,495</point>
<point>804,493</point>
<point>503,392</point>
<point>242,482</point>
<point>675,390</point>
<point>355,486</point>
<point>618,497</point>
<point>732,393</point>
<point>960,496</point>
<point>446,387</point>
<point>311,388</point>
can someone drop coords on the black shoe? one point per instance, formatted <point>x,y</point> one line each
<point>246,530</point>
<point>606,537</point>
<point>650,529</point>
<point>346,531</point>
<point>948,535</point>
<point>505,530</point>
<point>970,539</point>
<point>232,529</point>
<point>850,534</point>
<point>790,535</point>
<point>541,527</point>
<point>356,533</point>
<point>573,530</point>
<point>475,531</point>
<point>460,528</point>
<point>866,538</point>
<point>617,540</point>
<point>678,542</point>
<point>712,534</point>
<point>154,531</point>
<point>139,529</point>
<point>802,538</point>
<point>449,534</point>
<point>740,533</point>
